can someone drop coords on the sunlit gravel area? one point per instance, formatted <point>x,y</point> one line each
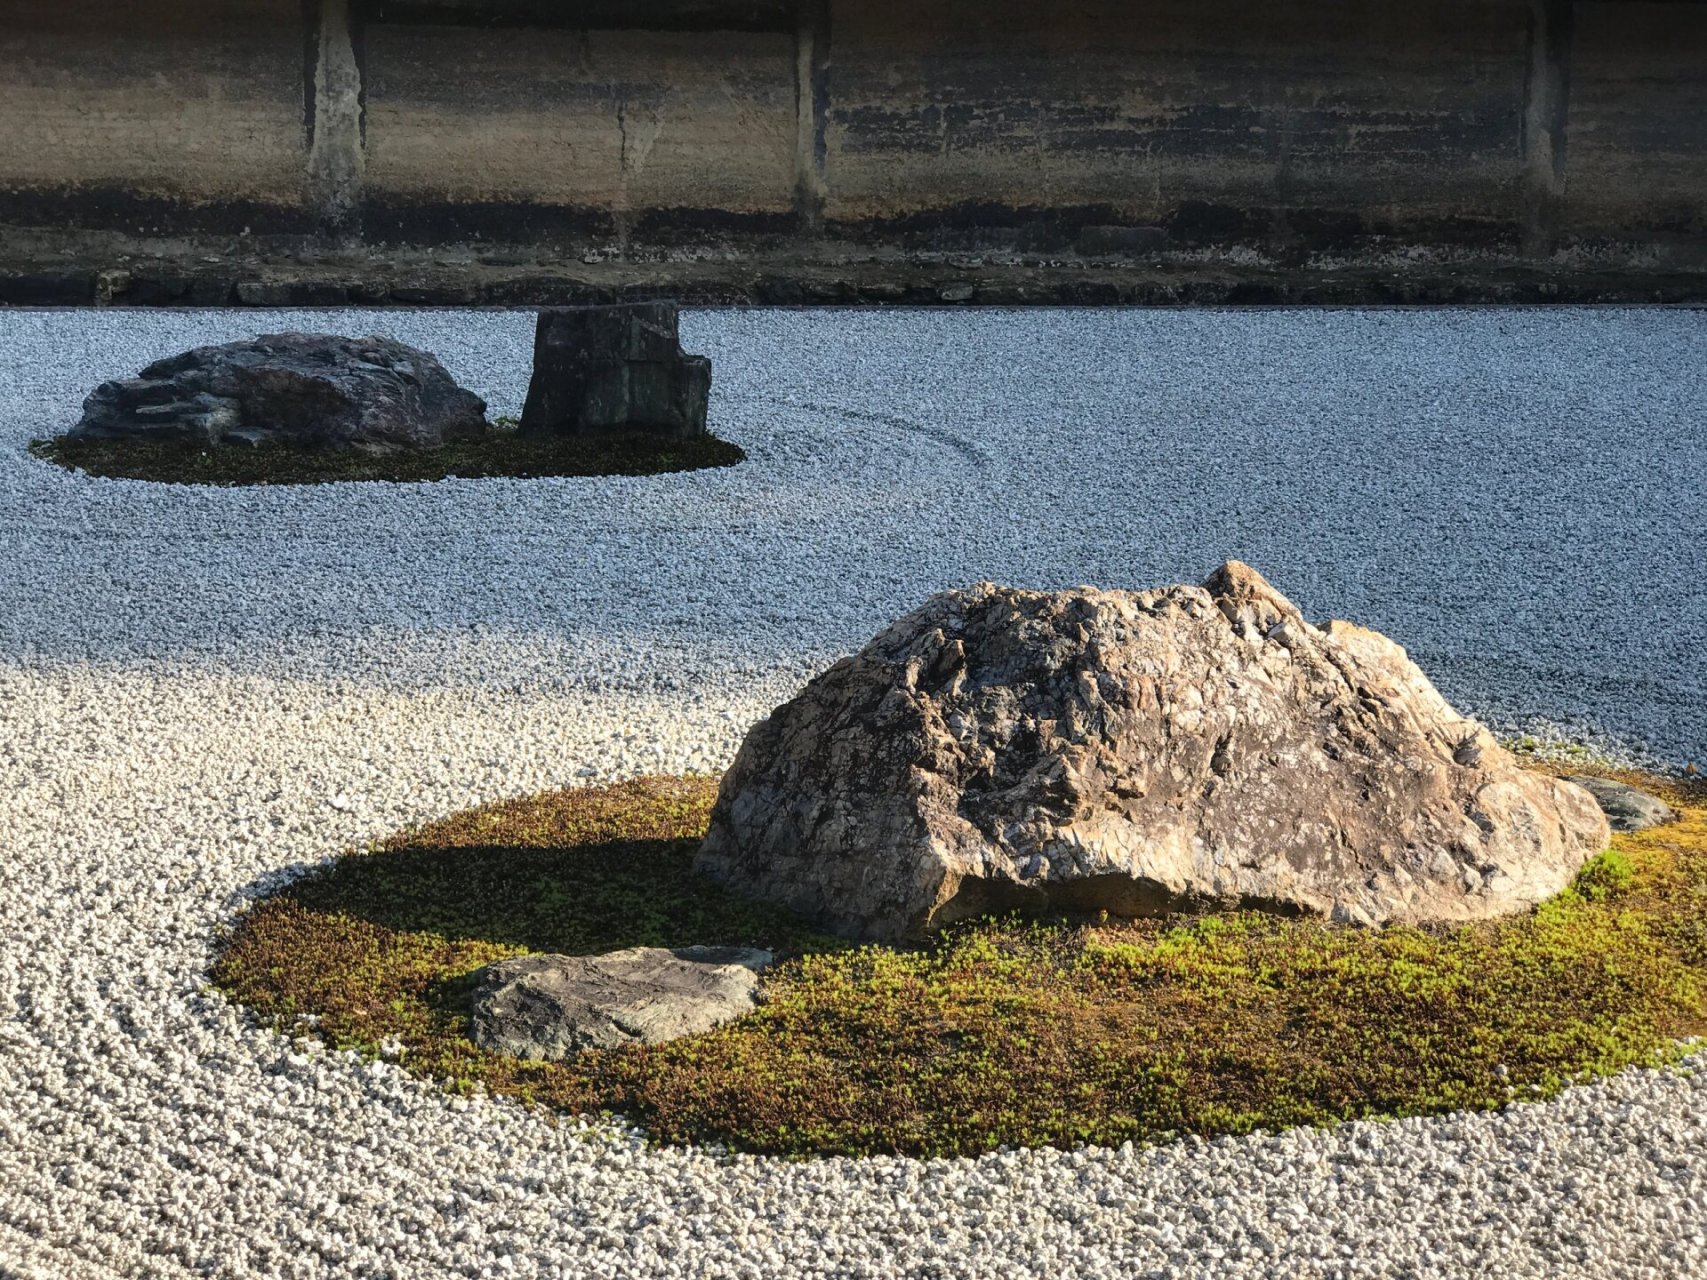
<point>202,691</point>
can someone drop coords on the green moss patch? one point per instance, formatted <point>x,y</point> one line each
<point>1003,1033</point>
<point>502,453</point>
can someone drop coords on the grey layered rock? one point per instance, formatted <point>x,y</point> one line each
<point>1187,748</point>
<point>614,368</point>
<point>549,1006</point>
<point>308,390</point>
<point>1627,808</point>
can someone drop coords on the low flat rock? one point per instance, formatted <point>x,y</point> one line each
<point>1627,808</point>
<point>1135,752</point>
<point>549,1007</point>
<point>314,391</point>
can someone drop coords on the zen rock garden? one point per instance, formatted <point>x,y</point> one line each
<point>596,369</point>
<point>1145,721</point>
<point>583,858</point>
<point>1131,771</point>
<point>611,392</point>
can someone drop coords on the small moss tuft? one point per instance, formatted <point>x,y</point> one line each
<point>1605,876</point>
<point>1005,1032</point>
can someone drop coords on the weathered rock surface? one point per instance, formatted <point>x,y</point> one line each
<point>308,390</point>
<point>614,368</point>
<point>549,1007</point>
<point>1135,752</point>
<point>1627,808</point>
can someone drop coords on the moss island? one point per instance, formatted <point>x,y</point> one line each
<point>1002,1033</point>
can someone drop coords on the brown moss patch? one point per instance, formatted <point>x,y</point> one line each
<point>1004,1033</point>
<point>502,453</point>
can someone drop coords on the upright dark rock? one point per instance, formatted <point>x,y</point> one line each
<point>614,368</point>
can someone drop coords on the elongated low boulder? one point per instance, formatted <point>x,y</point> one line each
<point>307,390</point>
<point>1189,748</point>
<point>549,1007</point>
<point>1626,808</point>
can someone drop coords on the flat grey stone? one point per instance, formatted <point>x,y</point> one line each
<point>1627,808</point>
<point>549,1007</point>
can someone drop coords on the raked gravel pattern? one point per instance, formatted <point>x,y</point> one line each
<point>201,691</point>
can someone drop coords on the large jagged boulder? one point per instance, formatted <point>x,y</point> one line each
<point>307,390</point>
<point>1188,748</point>
<point>601,369</point>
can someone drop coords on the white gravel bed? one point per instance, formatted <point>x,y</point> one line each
<point>202,690</point>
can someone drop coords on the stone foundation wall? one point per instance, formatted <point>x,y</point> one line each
<point>575,133</point>
<point>1219,119</point>
<point>153,114</point>
<point>1187,133</point>
<point>1636,135</point>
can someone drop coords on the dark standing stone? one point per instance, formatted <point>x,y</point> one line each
<point>309,390</point>
<point>614,368</point>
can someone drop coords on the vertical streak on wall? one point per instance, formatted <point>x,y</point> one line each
<point>310,66</point>
<point>334,120</point>
<point>622,214</point>
<point>812,105</point>
<point>1546,104</point>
